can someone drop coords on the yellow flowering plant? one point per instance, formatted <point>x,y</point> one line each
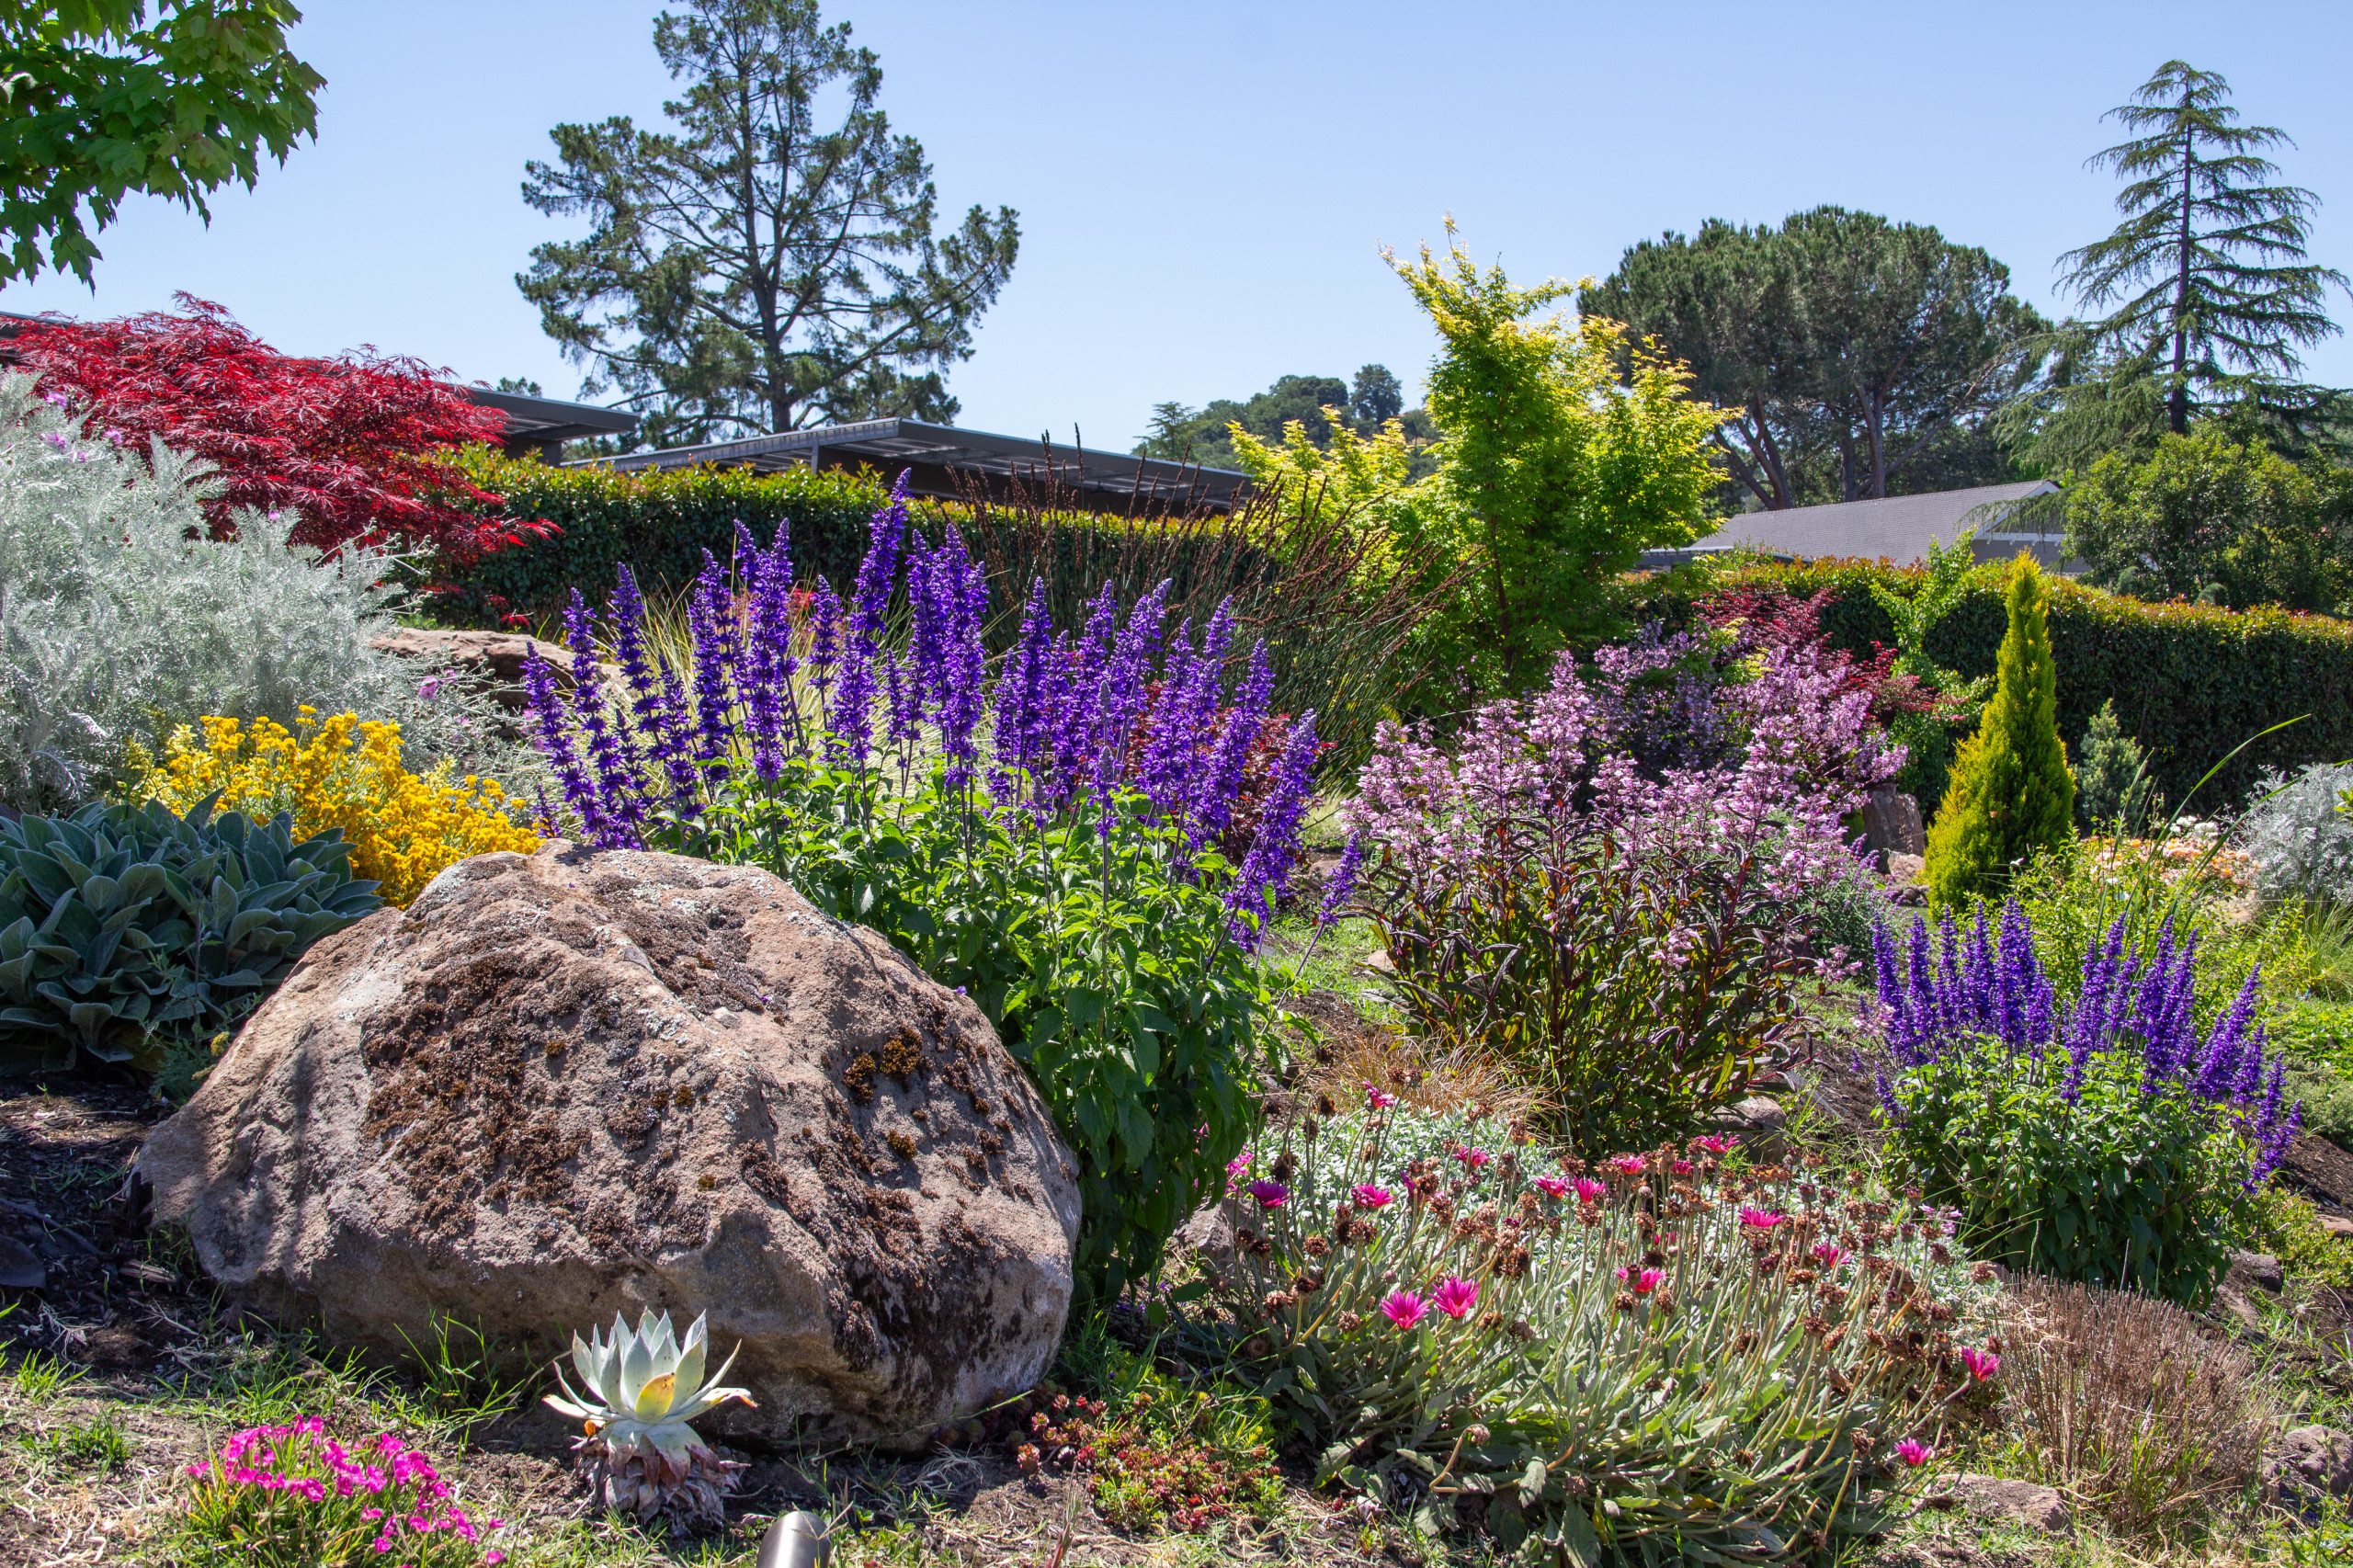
<point>341,772</point>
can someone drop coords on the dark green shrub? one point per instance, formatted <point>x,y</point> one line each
<point>2010,794</point>
<point>2191,682</point>
<point>127,930</point>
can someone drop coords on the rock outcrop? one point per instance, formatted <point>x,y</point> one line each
<point>572,1083</point>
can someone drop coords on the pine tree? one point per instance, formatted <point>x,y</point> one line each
<point>2011,792</point>
<point>2224,296</point>
<point>2112,782</point>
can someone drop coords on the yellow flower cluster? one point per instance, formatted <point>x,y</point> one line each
<point>403,827</point>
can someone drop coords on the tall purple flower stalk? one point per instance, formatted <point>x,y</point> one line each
<point>1081,727</point>
<point>1967,987</point>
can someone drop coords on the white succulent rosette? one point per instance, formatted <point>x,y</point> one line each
<point>643,1386</point>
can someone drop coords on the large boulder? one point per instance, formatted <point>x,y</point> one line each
<point>568,1084</point>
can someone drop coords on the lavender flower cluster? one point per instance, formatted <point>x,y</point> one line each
<point>1992,984</point>
<point>1123,718</point>
<point>1565,760</point>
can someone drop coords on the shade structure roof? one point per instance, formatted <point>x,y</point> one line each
<point>544,422</point>
<point>1897,529</point>
<point>938,456</point>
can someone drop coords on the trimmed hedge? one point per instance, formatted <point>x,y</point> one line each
<point>2191,681</point>
<point>659,522</point>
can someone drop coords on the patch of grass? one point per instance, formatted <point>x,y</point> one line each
<point>2289,1227</point>
<point>99,1441</point>
<point>462,1383</point>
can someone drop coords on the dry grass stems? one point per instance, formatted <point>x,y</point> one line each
<point>2118,1399</point>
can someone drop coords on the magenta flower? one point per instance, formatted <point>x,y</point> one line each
<point>1472,1159</point>
<point>1455,1297</point>
<point>1590,1190</point>
<point>1553,1187</point>
<point>1371,1197</point>
<point>1404,1308</point>
<point>1628,1165</point>
<point>1982,1364</point>
<point>1828,1254</point>
<point>1760,1219</point>
<point>1713,1144</point>
<point>1378,1099</point>
<point>1644,1281</point>
<point>1269,1194</point>
<point>1912,1453</point>
<point>1681,1167</point>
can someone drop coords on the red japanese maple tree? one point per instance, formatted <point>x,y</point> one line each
<point>359,446</point>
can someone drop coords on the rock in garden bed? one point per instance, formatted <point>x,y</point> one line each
<point>573,1082</point>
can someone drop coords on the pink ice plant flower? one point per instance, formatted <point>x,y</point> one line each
<point>1553,1186</point>
<point>1760,1219</point>
<point>1643,1281</point>
<point>1271,1194</point>
<point>1378,1099</point>
<point>1829,1255</point>
<point>1404,1308</point>
<point>1371,1197</point>
<point>1629,1164</point>
<point>1982,1364</point>
<point>1713,1143</point>
<point>1472,1159</point>
<point>1456,1296</point>
<point>1912,1453</point>
<point>1590,1190</point>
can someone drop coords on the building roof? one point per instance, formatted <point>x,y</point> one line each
<point>1897,527</point>
<point>546,423</point>
<point>935,455</point>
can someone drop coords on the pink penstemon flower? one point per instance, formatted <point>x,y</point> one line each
<point>1456,1296</point>
<point>1404,1308</point>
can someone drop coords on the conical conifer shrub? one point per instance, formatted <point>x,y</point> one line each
<point>2011,792</point>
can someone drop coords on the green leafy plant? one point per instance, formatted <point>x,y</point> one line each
<point>1111,970</point>
<point>1646,1358</point>
<point>100,1441</point>
<point>2102,1183</point>
<point>2011,792</point>
<point>2289,1228</point>
<point>1928,737</point>
<point>126,928</point>
<point>1636,989</point>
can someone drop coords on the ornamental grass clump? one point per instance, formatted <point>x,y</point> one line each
<point>1644,1359</point>
<point>340,774</point>
<point>1046,837</point>
<point>293,1497</point>
<point>2095,1136</point>
<point>1631,936</point>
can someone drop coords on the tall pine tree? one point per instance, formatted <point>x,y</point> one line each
<point>2011,792</point>
<point>2213,294</point>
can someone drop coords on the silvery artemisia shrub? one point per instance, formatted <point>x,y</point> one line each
<point>2301,836</point>
<point>120,617</point>
<point>1045,837</point>
<point>1649,1358</point>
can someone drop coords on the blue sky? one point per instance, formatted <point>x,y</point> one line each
<point>1204,188</point>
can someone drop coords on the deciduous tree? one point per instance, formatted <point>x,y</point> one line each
<point>357,445</point>
<point>102,104</point>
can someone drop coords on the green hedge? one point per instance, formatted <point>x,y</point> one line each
<point>658,522</point>
<point>2191,681</point>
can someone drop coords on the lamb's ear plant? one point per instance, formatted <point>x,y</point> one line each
<point>125,930</point>
<point>640,1389</point>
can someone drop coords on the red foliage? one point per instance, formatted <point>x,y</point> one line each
<point>355,444</point>
<point>1773,618</point>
